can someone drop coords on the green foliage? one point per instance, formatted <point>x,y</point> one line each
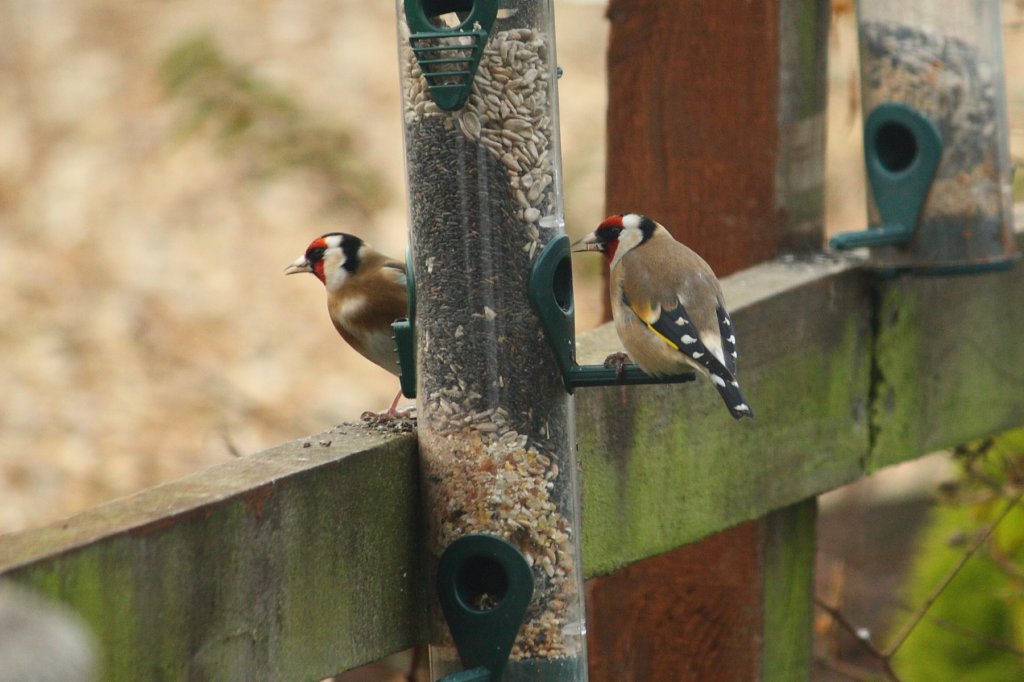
<point>258,123</point>
<point>974,625</point>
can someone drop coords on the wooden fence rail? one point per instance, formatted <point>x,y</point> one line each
<point>302,561</point>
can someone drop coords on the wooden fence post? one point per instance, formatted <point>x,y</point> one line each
<point>716,129</point>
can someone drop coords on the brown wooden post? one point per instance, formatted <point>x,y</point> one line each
<point>716,130</point>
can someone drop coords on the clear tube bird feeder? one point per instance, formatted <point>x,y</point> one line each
<point>942,61</point>
<point>495,424</point>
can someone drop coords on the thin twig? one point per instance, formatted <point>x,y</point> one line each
<point>865,644</point>
<point>941,587</point>
<point>956,628</point>
<point>1004,562</point>
<point>965,631</point>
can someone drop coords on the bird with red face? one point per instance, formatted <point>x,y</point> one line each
<point>366,292</point>
<point>667,305</point>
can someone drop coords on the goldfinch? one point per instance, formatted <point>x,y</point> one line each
<point>667,305</point>
<point>366,292</point>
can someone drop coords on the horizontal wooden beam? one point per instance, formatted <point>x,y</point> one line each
<point>302,560</point>
<point>291,564</point>
<point>949,363</point>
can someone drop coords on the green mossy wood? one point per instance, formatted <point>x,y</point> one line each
<point>291,564</point>
<point>950,361</point>
<point>299,562</point>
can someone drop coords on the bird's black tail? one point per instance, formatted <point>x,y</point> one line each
<point>729,389</point>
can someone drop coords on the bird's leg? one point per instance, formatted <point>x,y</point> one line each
<point>391,414</point>
<point>618,361</point>
<point>393,411</point>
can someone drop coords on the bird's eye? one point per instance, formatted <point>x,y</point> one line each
<point>314,255</point>
<point>610,234</point>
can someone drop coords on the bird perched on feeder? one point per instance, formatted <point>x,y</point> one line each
<point>667,305</point>
<point>366,292</point>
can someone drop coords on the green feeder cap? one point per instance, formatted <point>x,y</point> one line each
<point>902,150</point>
<point>449,56</point>
<point>484,584</point>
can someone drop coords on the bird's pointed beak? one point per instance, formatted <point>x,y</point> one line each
<point>588,243</point>
<point>300,265</point>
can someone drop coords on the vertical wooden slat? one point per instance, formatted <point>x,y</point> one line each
<point>716,129</point>
<point>690,614</point>
<point>692,131</point>
<point>788,547</point>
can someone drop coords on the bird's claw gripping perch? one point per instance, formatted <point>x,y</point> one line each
<point>618,361</point>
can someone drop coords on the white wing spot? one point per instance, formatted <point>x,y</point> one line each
<point>726,322</point>
<point>687,339</point>
<point>735,384</point>
<point>742,407</point>
<point>719,381</point>
<point>697,355</point>
<point>681,321</point>
<point>733,354</point>
<point>732,338</point>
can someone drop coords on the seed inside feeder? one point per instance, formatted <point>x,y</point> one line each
<point>495,454</point>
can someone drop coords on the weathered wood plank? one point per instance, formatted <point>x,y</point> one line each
<point>291,564</point>
<point>788,555</point>
<point>950,362</point>
<point>706,594</point>
<point>695,594</point>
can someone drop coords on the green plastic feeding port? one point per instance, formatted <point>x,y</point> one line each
<point>551,297</point>
<point>484,584</point>
<point>449,55</point>
<point>902,150</point>
<point>404,334</point>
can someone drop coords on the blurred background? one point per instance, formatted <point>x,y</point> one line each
<point>161,161</point>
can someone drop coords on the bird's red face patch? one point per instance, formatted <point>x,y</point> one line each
<point>608,236</point>
<point>315,258</point>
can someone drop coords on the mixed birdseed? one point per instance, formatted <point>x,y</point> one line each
<point>509,114</point>
<point>945,78</point>
<point>497,456</point>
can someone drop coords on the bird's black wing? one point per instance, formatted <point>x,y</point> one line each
<point>725,330</point>
<point>675,327</point>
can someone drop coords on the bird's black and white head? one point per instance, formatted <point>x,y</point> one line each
<point>617,235</point>
<point>333,258</point>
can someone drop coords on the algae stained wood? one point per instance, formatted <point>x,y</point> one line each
<point>950,361</point>
<point>296,563</point>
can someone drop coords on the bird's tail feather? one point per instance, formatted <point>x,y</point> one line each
<point>730,391</point>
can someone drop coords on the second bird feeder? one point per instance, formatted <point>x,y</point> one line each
<point>935,137</point>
